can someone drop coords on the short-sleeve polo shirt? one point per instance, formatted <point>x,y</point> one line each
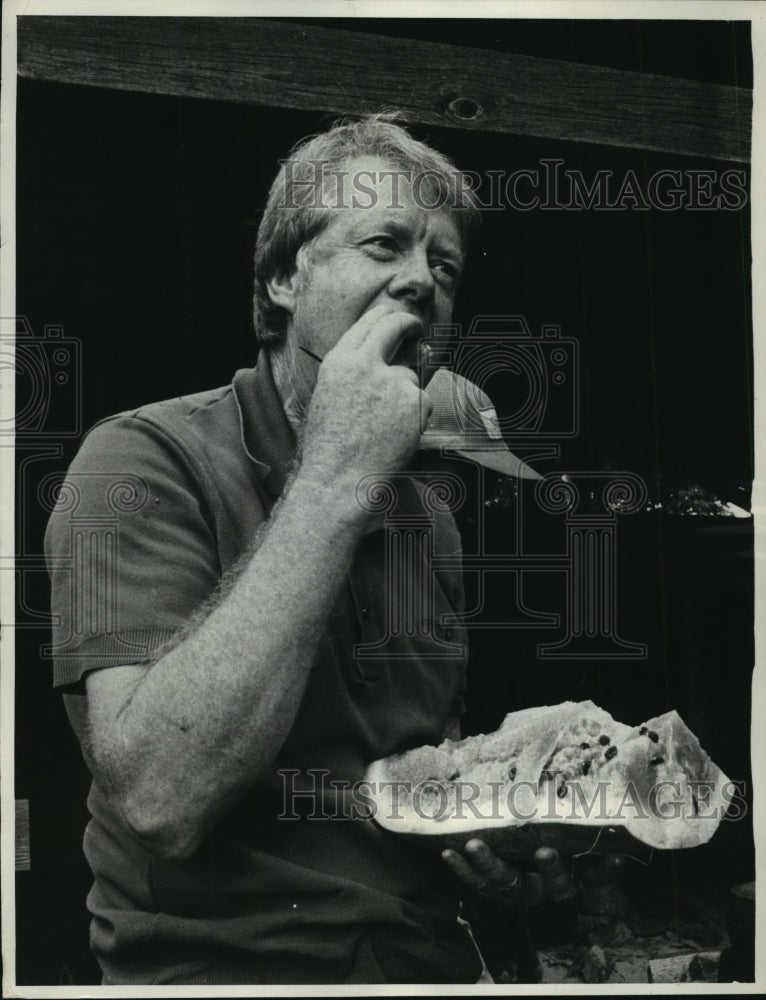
<point>160,504</point>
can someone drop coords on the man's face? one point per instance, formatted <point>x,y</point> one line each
<point>407,258</point>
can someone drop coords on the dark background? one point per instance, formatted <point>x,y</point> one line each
<point>136,221</point>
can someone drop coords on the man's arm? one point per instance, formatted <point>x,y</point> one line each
<point>174,744</point>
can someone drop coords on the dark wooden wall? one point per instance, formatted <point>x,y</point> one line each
<point>307,67</point>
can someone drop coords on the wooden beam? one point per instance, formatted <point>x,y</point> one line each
<point>287,65</point>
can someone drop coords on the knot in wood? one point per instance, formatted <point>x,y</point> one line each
<point>464,109</point>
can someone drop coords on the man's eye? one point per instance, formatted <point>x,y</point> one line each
<point>446,270</point>
<point>386,243</point>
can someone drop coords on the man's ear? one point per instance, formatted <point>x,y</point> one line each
<point>282,290</point>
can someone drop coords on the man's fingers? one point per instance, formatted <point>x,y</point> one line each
<point>486,873</point>
<point>464,871</point>
<point>482,870</point>
<point>426,407</point>
<point>386,336</point>
<point>380,331</point>
<point>556,878</point>
<point>358,333</point>
<point>492,866</point>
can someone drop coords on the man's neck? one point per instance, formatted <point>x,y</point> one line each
<point>294,376</point>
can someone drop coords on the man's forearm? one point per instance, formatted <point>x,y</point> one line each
<point>175,744</point>
<point>199,726</point>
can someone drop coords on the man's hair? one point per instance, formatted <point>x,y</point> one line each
<point>299,206</point>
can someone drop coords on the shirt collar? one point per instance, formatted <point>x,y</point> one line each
<point>267,437</point>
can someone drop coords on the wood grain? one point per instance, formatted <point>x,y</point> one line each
<point>278,64</point>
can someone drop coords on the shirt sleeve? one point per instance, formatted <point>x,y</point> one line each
<point>130,548</point>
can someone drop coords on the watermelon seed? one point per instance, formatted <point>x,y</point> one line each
<point>695,804</point>
<point>512,772</point>
<point>657,760</point>
<point>604,740</point>
<point>586,767</point>
<point>643,731</point>
<point>562,791</point>
<point>610,752</point>
<point>453,776</point>
<point>653,736</point>
<point>585,746</point>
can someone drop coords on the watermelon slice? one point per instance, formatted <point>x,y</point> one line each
<point>567,776</point>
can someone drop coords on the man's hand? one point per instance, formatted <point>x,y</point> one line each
<point>481,870</point>
<point>366,414</point>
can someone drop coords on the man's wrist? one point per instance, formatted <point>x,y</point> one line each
<point>333,499</point>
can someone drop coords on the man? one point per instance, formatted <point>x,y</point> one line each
<point>246,572</point>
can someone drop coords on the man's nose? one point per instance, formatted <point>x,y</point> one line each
<point>413,278</point>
